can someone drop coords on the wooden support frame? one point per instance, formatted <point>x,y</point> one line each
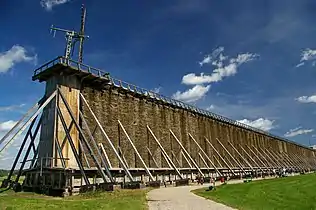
<point>21,149</point>
<point>28,150</point>
<point>71,143</point>
<point>220,156</point>
<point>107,160</point>
<point>279,163</point>
<point>95,146</point>
<point>28,122</point>
<point>245,160</point>
<point>293,163</point>
<point>83,138</point>
<point>263,157</point>
<point>203,160</point>
<point>122,156</point>
<point>165,153</point>
<point>84,155</point>
<point>35,106</point>
<point>287,159</point>
<point>273,162</point>
<point>204,153</point>
<point>108,139</point>
<point>186,153</point>
<point>217,160</point>
<point>230,155</point>
<point>264,165</point>
<point>251,158</point>
<point>302,161</point>
<point>186,159</point>
<point>135,150</point>
<point>152,157</point>
<point>175,157</point>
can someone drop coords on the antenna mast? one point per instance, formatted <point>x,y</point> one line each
<point>83,21</point>
<point>72,37</point>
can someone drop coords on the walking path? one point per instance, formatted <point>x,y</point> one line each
<point>181,198</point>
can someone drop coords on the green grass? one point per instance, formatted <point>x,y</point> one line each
<point>121,199</point>
<point>297,192</point>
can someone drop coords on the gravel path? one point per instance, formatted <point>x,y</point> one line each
<point>174,198</point>
<point>181,198</point>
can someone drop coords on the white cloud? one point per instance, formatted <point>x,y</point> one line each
<point>49,4</point>
<point>297,131</point>
<point>223,69</point>
<point>300,64</point>
<point>157,90</point>
<point>308,54</point>
<point>11,108</point>
<point>210,57</point>
<point>261,123</point>
<point>193,94</point>
<point>16,54</point>
<point>212,107</point>
<point>306,99</point>
<point>6,126</point>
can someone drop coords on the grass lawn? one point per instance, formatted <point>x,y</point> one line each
<point>122,199</point>
<point>297,192</point>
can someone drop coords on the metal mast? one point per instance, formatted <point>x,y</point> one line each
<point>72,37</point>
<point>83,21</point>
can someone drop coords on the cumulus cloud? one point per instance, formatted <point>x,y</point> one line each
<point>49,4</point>
<point>6,126</point>
<point>157,90</point>
<point>306,99</point>
<point>11,108</point>
<point>307,55</point>
<point>297,131</point>
<point>261,123</point>
<point>193,94</point>
<point>210,108</point>
<point>210,57</point>
<point>16,54</point>
<point>224,67</point>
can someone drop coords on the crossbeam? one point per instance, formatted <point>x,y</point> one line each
<point>136,151</point>
<point>165,153</point>
<point>186,153</point>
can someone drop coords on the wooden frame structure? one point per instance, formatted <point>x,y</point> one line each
<point>209,157</point>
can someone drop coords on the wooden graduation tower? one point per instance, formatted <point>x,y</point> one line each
<point>75,139</point>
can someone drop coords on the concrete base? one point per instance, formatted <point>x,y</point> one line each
<point>108,187</point>
<point>182,182</point>
<point>154,184</point>
<point>133,185</point>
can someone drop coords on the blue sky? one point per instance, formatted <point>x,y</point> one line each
<point>252,61</point>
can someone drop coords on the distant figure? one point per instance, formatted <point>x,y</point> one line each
<point>284,171</point>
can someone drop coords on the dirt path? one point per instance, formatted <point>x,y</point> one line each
<point>181,198</point>
<point>174,198</point>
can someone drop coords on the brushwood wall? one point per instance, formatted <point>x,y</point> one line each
<point>136,111</point>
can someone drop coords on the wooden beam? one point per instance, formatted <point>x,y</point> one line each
<point>108,140</point>
<point>165,153</point>
<point>186,153</point>
<point>137,153</point>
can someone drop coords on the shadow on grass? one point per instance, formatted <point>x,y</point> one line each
<point>4,190</point>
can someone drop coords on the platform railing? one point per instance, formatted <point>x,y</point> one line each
<point>75,64</point>
<point>151,94</point>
